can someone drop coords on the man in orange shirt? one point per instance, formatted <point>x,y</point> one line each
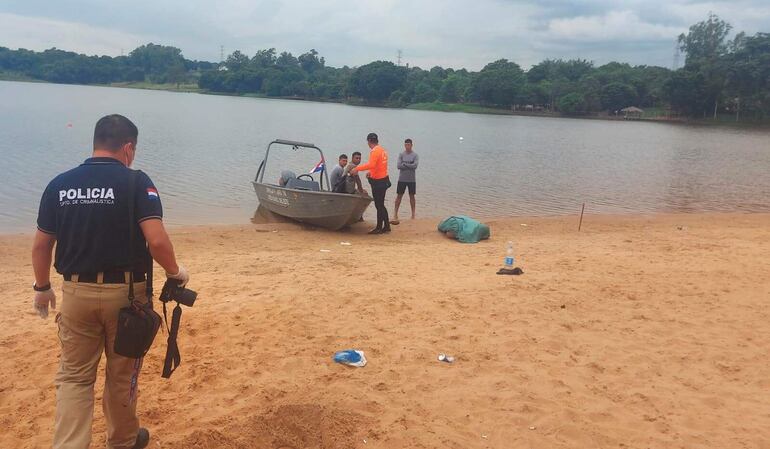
<point>379,180</point>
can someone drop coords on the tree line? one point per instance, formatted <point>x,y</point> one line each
<point>720,76</point>
<point>149,63</point>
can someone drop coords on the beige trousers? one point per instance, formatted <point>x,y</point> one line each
<point>87,325</point>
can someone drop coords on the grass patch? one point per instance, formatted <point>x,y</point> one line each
<point>457,107</point>
<point>190,87</point>
<point>728,120</point>
<point>15,76</point>
<point>654,112</point>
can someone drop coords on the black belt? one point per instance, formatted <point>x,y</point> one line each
<point>383,180</point>
<point>109,277</point>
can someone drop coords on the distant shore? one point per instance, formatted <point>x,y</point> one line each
<point>432,107</point>
<point>478,109</point>
<point>638,331</point>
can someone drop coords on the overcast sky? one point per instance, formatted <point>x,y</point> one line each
<point>450,33</point>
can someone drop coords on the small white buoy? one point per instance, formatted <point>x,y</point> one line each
<point>461,138</point>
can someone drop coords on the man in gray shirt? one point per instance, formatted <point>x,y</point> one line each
<point>337,173</point>
<point>407,179</point>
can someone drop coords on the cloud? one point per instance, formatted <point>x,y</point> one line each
<point>429,32</point>
<point>450,33</point>
<point>611,27</point>
<point>38,33</point>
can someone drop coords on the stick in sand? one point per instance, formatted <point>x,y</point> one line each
<point>581,216</point>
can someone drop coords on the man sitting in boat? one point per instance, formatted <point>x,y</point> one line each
<point>353,182</point>
<point>286,176</point>
<point>337,175</point>
<point>340,179</point>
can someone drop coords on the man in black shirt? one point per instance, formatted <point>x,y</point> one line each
<point>84,212</point>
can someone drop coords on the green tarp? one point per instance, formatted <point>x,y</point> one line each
<point>465,229</point>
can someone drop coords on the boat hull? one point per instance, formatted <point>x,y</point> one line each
<point>324,209</point>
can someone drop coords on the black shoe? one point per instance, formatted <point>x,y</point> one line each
<point>376,231</point>
<point>386,230</point>
<point>142,439</point>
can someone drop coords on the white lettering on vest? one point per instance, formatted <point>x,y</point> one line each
<point>87,193</point>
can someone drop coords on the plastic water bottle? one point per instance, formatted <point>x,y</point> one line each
<point>508,264</point>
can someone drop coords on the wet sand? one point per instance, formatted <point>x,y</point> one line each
<point>637,332</point>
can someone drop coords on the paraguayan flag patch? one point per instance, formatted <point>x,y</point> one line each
<point>152,193</point>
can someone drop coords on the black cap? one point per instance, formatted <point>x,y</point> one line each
<point>372,137</point>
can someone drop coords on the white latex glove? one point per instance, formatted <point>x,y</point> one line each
<point>42,300</point>
<point>182,276</point>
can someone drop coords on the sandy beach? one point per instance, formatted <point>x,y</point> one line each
<point>637,332</point>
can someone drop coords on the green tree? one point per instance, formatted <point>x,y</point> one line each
<point>397,99</point>
<point>264,58</point>
<point>554,69</point>
<point>156,60</point>
<point>377,80</point>
<point>286,59</point>
<point>285,83</point>
<point>176,74</point>
<point>572,104</point>
<point>212,80</point>
<point>236,61</point>
<point>453,88</point>
<point>616,96</point>
<point>424,93</point>
<point>309,61</point>
<point>705,45</point>
<point>499,82</point>
<point>650,84</point>
<point>705,40</point>
<point>748,75</point>
<point>684,90</point>
<point>573,69</point>
<point>542,71</point>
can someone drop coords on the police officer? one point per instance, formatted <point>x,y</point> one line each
<point>84,213</point>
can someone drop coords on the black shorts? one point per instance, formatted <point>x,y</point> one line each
<point>402,186</point>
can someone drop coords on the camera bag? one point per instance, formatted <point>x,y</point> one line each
<point>137,323</point>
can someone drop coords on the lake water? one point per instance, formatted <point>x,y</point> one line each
<point>202,151</point>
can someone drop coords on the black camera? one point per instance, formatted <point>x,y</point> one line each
<point>173,292</point>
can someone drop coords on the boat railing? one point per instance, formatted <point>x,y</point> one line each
<point>295,145</point>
